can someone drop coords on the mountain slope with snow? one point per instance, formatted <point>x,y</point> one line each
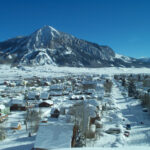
<point>145,59</point>
<point>52,47</point>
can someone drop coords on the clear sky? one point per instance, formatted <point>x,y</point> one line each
<point>124,25</point>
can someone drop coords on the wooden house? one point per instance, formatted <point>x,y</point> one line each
<point>47,103</point>
<point>16,104</point>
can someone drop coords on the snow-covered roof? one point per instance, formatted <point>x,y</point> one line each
<point>54,135</point>
<point>90,110</point>
<point>31,95</point>
<point>18,101</point>
<point>44,95</point>
<point>92,102</point>
<point>55,93</point>
<point>48,102</point>
<point>56,87</point>
<point>88,82</point>
<point>2,106</point>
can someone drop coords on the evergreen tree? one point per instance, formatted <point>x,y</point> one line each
<point>131,89</point>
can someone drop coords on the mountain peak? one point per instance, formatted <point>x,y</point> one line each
<point>42,37</point>
<point>49,46</point>
<point>44,32</point>
<point>47,28</point>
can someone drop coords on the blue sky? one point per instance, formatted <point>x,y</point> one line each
<point>124,25</point>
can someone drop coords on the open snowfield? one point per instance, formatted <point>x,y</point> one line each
<point>126,111</point>
<point>6,72</point>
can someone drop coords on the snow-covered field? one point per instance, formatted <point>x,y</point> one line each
<point>126,111</point>
<point>6,72</point>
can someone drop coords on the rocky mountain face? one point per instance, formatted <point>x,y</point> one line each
<point>49,46</point>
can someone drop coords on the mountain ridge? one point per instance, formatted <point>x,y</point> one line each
<point>50,46</point>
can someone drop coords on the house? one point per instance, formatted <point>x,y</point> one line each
<point>56,87</point>
<point>44,96</point>
<point>56,93</point>
<point>33,95</point>
<point>67,90</point>
<point>56,90</point>
<point>16,126</point>
<point>47,103</point>
<point>54,135</point>
<point>17,104</point>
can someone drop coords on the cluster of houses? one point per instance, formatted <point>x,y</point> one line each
<point>71,104</point>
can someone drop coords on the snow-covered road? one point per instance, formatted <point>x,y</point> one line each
<point>124,110</point>
<point>132,113</point>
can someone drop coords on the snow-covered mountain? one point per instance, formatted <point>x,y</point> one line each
<point>49,46</point>
<point>145,59</point>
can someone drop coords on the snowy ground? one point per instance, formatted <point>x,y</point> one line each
<point>10,73</point>
<point>17,140</point>
<point>126,110</point>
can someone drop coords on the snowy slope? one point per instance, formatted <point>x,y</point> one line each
<point>52,47</point>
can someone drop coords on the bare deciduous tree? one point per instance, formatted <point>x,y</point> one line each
<point>32,120</point>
